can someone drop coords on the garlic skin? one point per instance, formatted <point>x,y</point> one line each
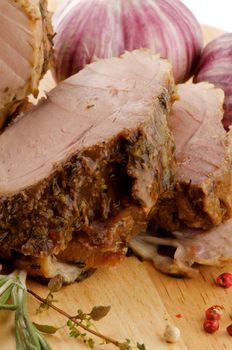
<point>215,66</point>
<point>90,29</point>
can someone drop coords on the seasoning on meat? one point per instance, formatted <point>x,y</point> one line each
<point>202,195</point>
<point>89,163</point>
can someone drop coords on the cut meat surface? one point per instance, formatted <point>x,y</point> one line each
<point>97,146</point>
<point>202,196</point>
<point>211,247</point>
<point>47,267</point>
<point>25,35</point>
<point>105,243</point>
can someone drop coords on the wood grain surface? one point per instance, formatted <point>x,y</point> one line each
<point>142,300</point>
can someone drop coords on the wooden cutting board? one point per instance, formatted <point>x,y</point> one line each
<point>142,300</point>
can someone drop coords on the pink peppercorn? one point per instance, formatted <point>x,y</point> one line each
<point>214,312</point>
<point>229,329</point>
<point>210,326</point>
<point>224,280</point>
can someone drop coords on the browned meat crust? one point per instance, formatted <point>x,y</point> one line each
<point>202,195</point>
<point>103,194</point>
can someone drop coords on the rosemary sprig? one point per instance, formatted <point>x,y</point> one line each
<point>13,296</point>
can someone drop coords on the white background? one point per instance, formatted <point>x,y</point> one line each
<point>217,13</point>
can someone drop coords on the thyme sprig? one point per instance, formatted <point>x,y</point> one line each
<point>13,296</point>
<point>54,285</point>
<point>78,319</point>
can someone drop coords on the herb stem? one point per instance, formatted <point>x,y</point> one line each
<point>79,324</point>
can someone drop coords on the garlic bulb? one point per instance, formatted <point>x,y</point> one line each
<point>215,66</point>
<point>90,29</point>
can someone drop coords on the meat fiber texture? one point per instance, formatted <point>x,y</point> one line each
<point>202,195</point>
<point>86,166</point>
<point>26,51</point>
<point>190,246</point>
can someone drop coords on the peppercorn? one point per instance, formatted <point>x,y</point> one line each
<point>171,334</point>
<point>224,280</point>
<point>210,326</point>
<point>229,330</point>
<point>214,312</point>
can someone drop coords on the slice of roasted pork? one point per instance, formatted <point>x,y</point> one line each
<point>89,161</point>
<point>210,247</point>
<point>26,50</point>
<point>202,195</point>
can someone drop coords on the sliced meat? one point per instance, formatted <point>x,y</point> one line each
<point>211,247</point>
<point>105,243</point>
<point>25,40</point>
<point>202,196</point>
<point>48,267</point>
<point>96,147</point>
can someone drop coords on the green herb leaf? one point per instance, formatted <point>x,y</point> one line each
<point>125,345</point>
<point>98,312</point>
<point>74,333</point>
<point>69,323</point>
<point>6,287</point>
<point>13,296</point>
<point>45,305</point>
<point>80,314</point>
<point>44,328</point>
<point>5,296</point>
<point>90,343</point>
<point>55,283</point>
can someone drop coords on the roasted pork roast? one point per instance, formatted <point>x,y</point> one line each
<point>114,154</point>
<point>202,195</point>
<point>177,253</point>
<point>82,172</point>
<point>26,51</point>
